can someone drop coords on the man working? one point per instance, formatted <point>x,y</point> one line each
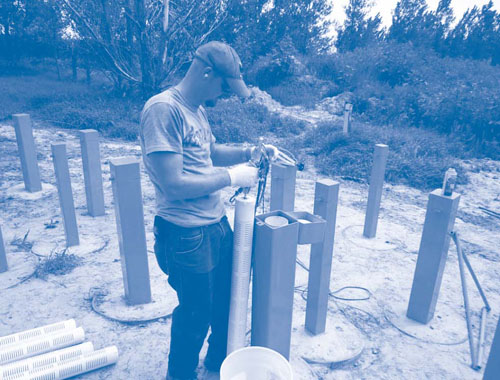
<point>193,240</point>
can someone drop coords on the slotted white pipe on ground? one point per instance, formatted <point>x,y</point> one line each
<point>41,345</point>
<point>242,257</point>
<point>27,335</point>
<point>85,363</point>
<point>35,362</point>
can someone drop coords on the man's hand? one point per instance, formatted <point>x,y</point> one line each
<point>243,175</point>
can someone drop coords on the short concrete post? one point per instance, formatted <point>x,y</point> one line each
<point>492,371</point>
<point>325,205</point>
<point>283,187</point>
<point>27,152</point>
<point>3,254</point>
<point>65,193</point>
<point>126,183</point>
<point>275,252</point>
<point>91,159</point>
<point>432,254</point>
<point>347,118</point>
<point>375,191</point>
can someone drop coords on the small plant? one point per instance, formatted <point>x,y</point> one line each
<point>51,224</point>
<point>22,244</point>
<point>57,264</point>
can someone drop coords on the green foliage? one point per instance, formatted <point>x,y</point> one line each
<point>70,105</point>
<point>402,85</point>
<point>417,157</point>
<point>235,122</point>
<point>358,29</point>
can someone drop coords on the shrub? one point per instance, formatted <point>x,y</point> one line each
<point>417,157</point>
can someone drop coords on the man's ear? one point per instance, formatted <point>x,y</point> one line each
<point>207,71</point>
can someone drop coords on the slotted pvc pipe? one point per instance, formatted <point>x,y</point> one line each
<point>41,345</point>
<point>27,335</point>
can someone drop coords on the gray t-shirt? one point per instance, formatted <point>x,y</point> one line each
<point>170,124</point>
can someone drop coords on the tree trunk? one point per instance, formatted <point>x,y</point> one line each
<point>145,56</point>
<point>74,62</point>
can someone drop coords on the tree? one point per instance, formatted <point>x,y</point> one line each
<point>144,42</point>
<point>358,30</point>
<point>407,21</point>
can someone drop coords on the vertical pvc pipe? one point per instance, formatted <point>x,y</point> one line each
<point>3,254</point>
<point>27,152</point>
<point>126,183</point>
<point>275,252</point>
<point>375,191</point>
<point>240,283</point>
<point>318,288</point>
<point>492,371</point>
<point>283,187</point>
<point>432,254</point>
<point>65,193</point>
<point>91,159</point>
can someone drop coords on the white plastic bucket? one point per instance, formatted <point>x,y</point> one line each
<point>255,363</point>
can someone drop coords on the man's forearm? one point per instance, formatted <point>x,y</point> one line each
<point>191,186</point>
<point>223,155</point>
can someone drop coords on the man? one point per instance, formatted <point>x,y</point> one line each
<point>193,240</point>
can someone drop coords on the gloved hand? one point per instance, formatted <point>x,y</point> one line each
<point>243,175</point>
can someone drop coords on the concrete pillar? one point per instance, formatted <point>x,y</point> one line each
<point>283,187</point>
<point>127,194</point>
<point>325,205</point>
<point>375,191</point>
<point>347,118</point>
<point>275,252</point>
<point>432,254</point>
<point>91,159</point>
<point>3,254</point>
<point>492,371</point>
<point>27,152</point>
<point>65,193</point>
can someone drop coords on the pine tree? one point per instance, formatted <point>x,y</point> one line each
<point>358,29</point>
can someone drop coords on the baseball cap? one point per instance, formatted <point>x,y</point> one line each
<point>225,61</point>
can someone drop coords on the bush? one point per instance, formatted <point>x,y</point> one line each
<point>235,122</point>
<point>402,85</point>
<point>417,157</point>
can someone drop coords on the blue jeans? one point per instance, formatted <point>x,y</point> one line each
<point>198,262</point>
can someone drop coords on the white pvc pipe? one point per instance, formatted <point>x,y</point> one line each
<point>39,361</point>
<point>242,257</point>
<point>41,345</point>
<point>35,333</point>
<point>86,363</point>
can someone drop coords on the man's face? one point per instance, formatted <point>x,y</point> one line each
<point>219,89</point>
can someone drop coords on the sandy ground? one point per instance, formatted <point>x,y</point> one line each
<point>370,331</point>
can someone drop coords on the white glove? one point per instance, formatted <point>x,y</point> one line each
<point>243,175</point>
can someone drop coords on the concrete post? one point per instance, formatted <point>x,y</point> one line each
<point>325,205</point>
<point>283,187</point>
<point>3,254</point>
<point>432,254</point>
<point>65,193</point>
<point>27,152</point>
<point>375,191</point>
<point>126,183</point>
<point>492,371</point>
<point>91,159</point>
<point>275,252</point>
<point>347,118</point>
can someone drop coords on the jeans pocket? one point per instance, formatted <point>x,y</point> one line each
<point>189,241</point>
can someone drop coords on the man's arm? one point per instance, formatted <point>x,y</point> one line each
<point>179,185</point>
<point>223,155</point>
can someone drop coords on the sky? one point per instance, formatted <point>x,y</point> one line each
<point>385,8</point>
